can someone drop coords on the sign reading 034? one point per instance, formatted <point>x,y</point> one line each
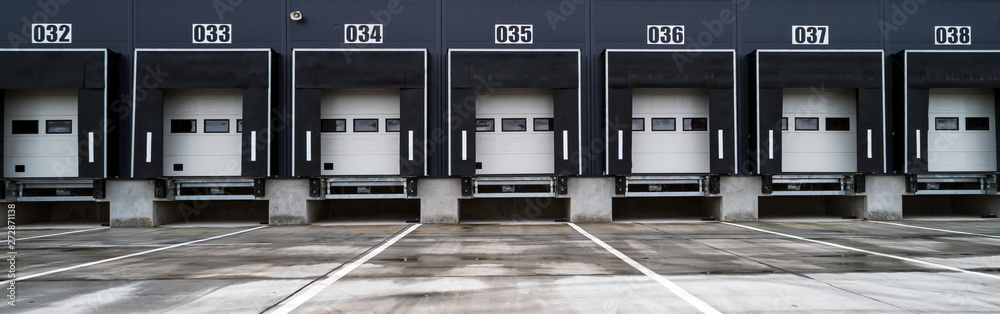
<point>362,33</point>
<point>212,33</point>
<point>513,34</point>
<point>51,33</point>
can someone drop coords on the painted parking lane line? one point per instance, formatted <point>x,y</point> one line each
<point>905,259</point>
<point>316,287</point>
<point>670,285</point>
<point>936,229</point>
<point>22,278</point>
<point>56,234</point>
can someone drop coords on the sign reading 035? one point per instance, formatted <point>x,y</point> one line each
<point>212,33</point>
<point>362,33</point>
<point>810,34</point>
<point>51,33</point>
<point>665,34</point>
<point>513,34</point>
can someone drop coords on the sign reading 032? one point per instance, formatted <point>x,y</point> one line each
<point>810,34</point>
<point>363,33</point>
<point>952,35</point>
<point>212,33</point>
<point>514,34</point>
<point>665,34</point>
<point>51,33</point>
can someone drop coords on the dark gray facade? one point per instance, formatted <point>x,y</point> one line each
<point>590,26</point>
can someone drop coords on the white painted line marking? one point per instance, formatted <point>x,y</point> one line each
<point>309,146</point>
<point>149,146</point>
<point>253,145</point>
<point>565,145</point>
<point>465,143</point>
<point>905,259</point>
<point>410,134</point>
<point>935,229</point>
<point>90,146</point>
<point>720,144</point>
<point>22,278</point>
<point>54,234</point>
<point>770,144</point>
<point>318,287</point>
<point>621,144</point>
<point>680,292</point>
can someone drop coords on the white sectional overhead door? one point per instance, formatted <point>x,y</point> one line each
<point>819,130</point>
<point>202,132</point>
<point>670,130</point>
<point>514,131</point>
<point>360,131</point>
<point>40,137</point>
<point>961,135</point>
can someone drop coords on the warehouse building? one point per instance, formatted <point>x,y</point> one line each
<point>448,111</point>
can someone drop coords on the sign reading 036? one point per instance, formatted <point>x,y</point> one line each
<point>513,34</point>
<point>665,34</point>
<point>212,33</point>
<point>51,33</point>
<point>362,33</point>
<point>810,34</point>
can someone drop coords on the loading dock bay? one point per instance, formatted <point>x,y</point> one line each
<point>922,266</point>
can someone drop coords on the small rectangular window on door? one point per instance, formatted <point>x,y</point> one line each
<point>365,125</point>
<point>542,124</point>
<point>485,125</point>
<point>664,124</point>
<point>216,126</point>
<point>838,124</point>
<point>333,125</point>
<point>807,124</point>
<point>514,125</point>
<point>24,127</point>
<point>946,124</point>
<point>977,124</point>
<point>695,124</point>
<point>392,125</point>
<point>638,124</point>
<point>58,126</point>
<point>183,126</point>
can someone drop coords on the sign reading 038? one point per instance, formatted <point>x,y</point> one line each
<point>513,34</point>
<point>363,33</point>
<point>212,33</point>
<point>51,33</point>
<point>952,35</point>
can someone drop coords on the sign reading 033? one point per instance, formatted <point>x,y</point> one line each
<point>810,34</point>
<point>51,33</point>
<point>212,33</point>
<point>513,34</point>
<point>665,34</point>
<point>362,33</point>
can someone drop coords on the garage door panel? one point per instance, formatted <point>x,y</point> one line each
<point>962,149</point>
<point>670,151</point>
<point>361,153</point>
<point>823,149</point>
<point>202,153</point>
<point>527,151</point>
<point>42,155</point>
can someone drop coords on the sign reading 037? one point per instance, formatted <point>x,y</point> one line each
<point>51,33</point>
<point>513,34</point>
<point>810,34</point>
<point>362,33</point>
<point>212,33</point>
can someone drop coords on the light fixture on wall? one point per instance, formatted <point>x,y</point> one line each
<point>295,15</point>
